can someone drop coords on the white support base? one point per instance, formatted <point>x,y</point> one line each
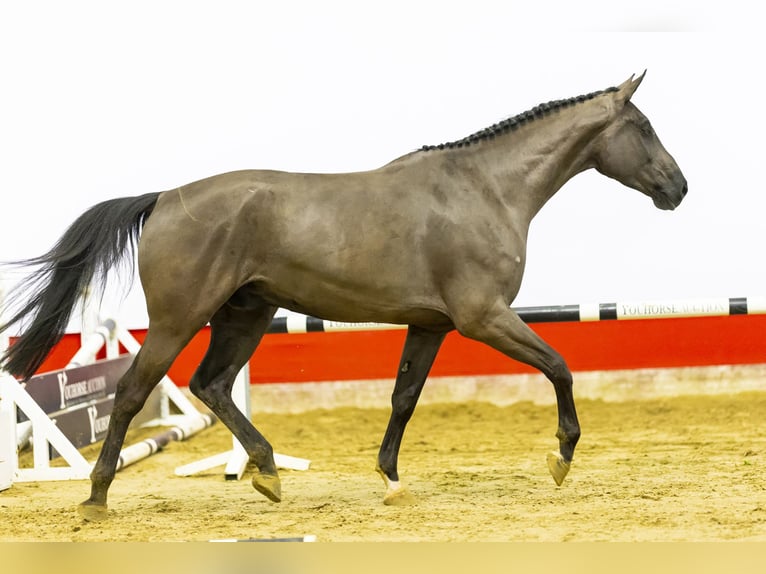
<point>224,458</point>
<point>44,433</point>
<point>204,464</point>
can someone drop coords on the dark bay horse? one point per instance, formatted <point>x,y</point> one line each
<point>435,240</point>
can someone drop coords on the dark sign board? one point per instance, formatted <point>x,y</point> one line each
<point>84,424</point>
<point>60,390</point>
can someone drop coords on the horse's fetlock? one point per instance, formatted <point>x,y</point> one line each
<point>569,435</point>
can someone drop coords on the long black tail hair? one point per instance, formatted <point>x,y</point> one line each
<point>97,241</point>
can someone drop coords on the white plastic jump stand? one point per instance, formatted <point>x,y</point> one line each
<point>8,450</point>
<point>236,459</point>
<point>45,433</point>
<point>42,429</point>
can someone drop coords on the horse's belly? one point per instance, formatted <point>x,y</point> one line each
<point>352,301</point>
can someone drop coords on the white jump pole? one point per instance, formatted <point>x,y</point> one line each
<point>101,336</point>
<point>147,447</point>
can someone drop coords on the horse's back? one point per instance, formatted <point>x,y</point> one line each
<point>337,245</point>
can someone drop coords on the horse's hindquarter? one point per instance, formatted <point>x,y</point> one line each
<point>369,246</point>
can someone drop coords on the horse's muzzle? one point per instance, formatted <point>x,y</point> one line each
<point>671,197</point>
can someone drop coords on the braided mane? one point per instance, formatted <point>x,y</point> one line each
<point>516,121</point>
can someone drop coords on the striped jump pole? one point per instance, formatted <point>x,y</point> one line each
<point>663,309</point>
<point>147,447</point>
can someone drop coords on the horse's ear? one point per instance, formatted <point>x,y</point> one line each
<point>626,90</point>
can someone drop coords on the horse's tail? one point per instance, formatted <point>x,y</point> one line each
<point>97,241</point>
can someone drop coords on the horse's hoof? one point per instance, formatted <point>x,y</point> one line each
<point>396,494</point>
<point>92,512</point>
<point>268,485</point>
<point>558,467</point>
<point>399,497</point>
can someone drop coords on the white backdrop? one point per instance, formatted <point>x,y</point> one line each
<point>100,100</point>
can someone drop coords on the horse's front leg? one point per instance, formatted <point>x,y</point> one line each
<point>420,349</point>
<point>502,329</point>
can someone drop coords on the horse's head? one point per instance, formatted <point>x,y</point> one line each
<point>629,151</point>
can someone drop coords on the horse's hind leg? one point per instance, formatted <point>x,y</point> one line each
<point>503,330</point>
<point>149,366</point>
<point>420,349</point>
<point>235,331</point>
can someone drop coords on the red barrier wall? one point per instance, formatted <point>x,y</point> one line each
<point>606,345</point>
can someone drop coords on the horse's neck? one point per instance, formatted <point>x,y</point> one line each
<point>529,166</point>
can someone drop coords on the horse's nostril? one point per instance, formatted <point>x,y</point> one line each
<point>684,190</point>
